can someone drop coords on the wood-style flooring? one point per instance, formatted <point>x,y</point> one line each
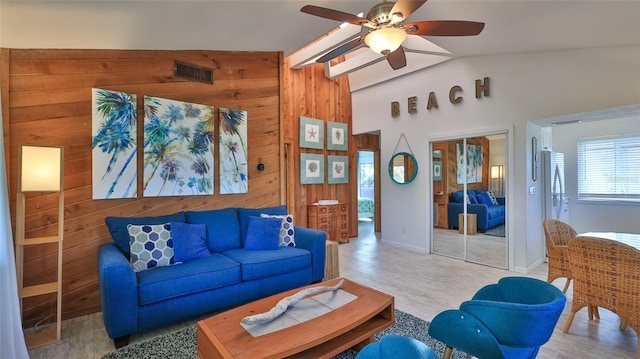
<point>422,284</point>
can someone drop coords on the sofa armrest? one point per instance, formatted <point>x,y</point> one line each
<point>313,240</point>
<point>118,291</point>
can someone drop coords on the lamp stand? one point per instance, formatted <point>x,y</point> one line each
<point>50,334</point>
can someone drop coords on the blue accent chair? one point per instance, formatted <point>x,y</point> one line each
<point>397,347</point>
<point>510,319</point>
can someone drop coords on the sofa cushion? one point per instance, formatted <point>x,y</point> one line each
<point>223,228</point>
<point>118,226</point>
<point>198,275</point>
<point>261,264</point>
<point>151,246</point>
<point>483,198</point>
<point>245,213</point>
<point>189,241</point>
<point>287,229</point>
<point>263,233</point>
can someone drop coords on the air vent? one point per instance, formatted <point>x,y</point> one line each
<point>193,72</point>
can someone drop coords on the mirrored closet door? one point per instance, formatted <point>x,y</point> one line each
<point>469,208</point>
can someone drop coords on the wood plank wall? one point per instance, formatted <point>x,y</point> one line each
<point>452,165</point>
<point>307,92</point>
<point>46,100</point>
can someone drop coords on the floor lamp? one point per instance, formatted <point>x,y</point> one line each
<point>497,176</point>
<point>40,170</point>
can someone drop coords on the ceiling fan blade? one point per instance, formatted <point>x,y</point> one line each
<point>406,7</point>
<point>397,59</point>
<point>444,28</point>
<point>333,14</point>
<point>341,50</point>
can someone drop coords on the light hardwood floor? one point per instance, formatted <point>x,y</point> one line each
<point>423,285</point>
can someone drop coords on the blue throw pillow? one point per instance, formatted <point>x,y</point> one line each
<point>118,227</point>
<point>483,198</point>
<point>473,198</point>
<point>263,233</point>
<point>189,241</point>
<point>287,230</point>
<point>245,213</point>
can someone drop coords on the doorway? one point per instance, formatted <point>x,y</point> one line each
<point>366,189</point>
<point>469,199</point>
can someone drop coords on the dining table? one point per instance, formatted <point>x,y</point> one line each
<point>631,239</point>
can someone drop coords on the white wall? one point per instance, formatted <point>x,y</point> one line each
<point>585,216</point>
<point>524,87</point>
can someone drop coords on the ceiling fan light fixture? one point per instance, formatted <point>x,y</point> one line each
<point>385,40</point>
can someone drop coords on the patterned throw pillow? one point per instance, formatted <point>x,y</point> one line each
<point>151,246</point>
<point>287,231</point>
<point>493,198</point>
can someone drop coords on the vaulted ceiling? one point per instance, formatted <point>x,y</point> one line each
<point>512,26</point>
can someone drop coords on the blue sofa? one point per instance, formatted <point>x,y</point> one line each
<point>488,214</point>
<point>227,276</point>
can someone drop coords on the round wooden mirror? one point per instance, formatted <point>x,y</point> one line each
<point>403,168</point>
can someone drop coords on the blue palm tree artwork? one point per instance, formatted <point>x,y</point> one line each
<point>233,151</point>
<point>473,173</point>
<point>113,144</point>
<point>178,148</point>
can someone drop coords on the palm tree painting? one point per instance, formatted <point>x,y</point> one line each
<point>473,173</point>
<point>233,151</point>
<point>113,144</point>
<point>178,148</point>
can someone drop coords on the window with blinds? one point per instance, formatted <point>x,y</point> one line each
<point>609,169</point>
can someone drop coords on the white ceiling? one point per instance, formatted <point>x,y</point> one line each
<point>512,26</point>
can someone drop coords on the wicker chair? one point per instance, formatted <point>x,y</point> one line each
<point>557,234</point>
<point>606,274</point>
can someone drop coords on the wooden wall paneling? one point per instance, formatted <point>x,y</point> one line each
<point>309,93</point>
<point>46,97</point>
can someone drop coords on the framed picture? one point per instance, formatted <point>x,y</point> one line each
<point>338,169</point>
<point>174,163</point>
<point>473,161</point>
<point>311,133</point>
<point>437,171</point>
<point>311,168</point>
<point>233,151</point>
<point>437,154</point>
<point>113,144</point>
<point>337,136</point>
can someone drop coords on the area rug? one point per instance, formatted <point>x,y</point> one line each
<point>183,343</point>
<point>497,231</point>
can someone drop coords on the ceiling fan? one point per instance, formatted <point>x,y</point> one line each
<point>384,29</point>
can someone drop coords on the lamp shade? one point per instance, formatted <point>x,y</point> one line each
<point>496,171</point>
<point>40,169</point>
<point>385,40</point>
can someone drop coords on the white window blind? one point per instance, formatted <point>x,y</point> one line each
<point>609,169</point>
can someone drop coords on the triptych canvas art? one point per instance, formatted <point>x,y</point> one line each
<point>178,147</point>
<point>312,166</point>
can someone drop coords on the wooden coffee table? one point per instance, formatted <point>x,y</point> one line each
<point>351,325</point>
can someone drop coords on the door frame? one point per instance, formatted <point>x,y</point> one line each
<point>366,142</point>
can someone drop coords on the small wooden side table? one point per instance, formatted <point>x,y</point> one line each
<point>332,261</point>
<point>472,223</point>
